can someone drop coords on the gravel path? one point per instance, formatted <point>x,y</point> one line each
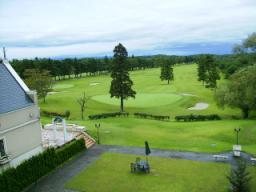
<point>55,181</point>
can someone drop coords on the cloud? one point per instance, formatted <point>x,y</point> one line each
<point>48,28</point>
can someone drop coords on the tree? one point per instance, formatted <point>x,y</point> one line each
<point>207,71</point>
<point>82,102</point>
<point>166,71</point>
<point>250,42</point>
<point>106,63</point>
<point>121,84</point>
<point>213,74</point>
<point>67,67</point>
<point>239,178</point>
<point>39,80</point>
<point>246,52</point>
<point>201,70</point>
<point>240,91</point>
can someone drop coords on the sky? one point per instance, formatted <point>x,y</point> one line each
<point>91,28</point>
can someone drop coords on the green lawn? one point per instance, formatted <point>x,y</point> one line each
<point>142,100</point>
<point>197,136</point>
<point>146,83</point>
<point>62,86</point>
<point>156,97</point>
<point>111,173</point>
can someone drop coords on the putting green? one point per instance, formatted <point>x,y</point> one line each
<point>62,86</point>
<point>141,100</point>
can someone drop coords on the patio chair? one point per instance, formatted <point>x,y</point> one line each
<point>133,167</point>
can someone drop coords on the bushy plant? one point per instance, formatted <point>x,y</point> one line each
<point>106,115</point>
<point>66,114</point>
<point>150,116</point>
<point>29,171</point>
<point>197,117</point>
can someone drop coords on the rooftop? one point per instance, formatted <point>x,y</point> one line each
<point>12,93</point>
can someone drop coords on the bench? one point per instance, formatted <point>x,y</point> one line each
<point>216,157</point>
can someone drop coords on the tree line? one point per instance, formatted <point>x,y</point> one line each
<point>73,67</point>
<point>76,68</point>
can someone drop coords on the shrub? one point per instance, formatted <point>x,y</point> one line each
<point>29,171</point>
<point>150,116</point>
<point>106,115</point>
<point>66,114</point>
<point>197,117</point>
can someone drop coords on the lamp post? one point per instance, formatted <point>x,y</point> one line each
<point>97,126</point>
<point>237,130</point>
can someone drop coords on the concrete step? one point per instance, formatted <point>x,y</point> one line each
<point>89,142</point>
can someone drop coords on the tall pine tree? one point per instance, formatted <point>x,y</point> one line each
<point>121,84</point>
<point>239,178</point>
<point>166,71</point>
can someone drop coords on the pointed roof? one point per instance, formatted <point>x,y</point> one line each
<point>13,91</point>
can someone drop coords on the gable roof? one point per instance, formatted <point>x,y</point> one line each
<point>13,95</point>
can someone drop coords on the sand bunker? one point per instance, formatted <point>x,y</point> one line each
<point>94,83</point>
<point>51,93</point>
<point>55,92</point>
<point>199,106</point>
<point>187,95</point>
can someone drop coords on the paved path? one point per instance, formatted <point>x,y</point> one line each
<point>55,181</point>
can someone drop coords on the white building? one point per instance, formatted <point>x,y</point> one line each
<point>20,130</point>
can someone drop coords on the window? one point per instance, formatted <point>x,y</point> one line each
<point>2,148</point>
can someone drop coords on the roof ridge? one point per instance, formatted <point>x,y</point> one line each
<point>15,75</point>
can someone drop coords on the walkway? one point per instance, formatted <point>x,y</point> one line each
<point>55,181</point>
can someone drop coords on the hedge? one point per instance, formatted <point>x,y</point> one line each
<point>197,117</point>
<point>29,171</point>
<point>150,116</point>
<point>106,115</point>
<point>66,114</point>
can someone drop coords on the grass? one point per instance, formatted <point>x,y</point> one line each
<point>111,173</point>
<point>153,97</point>
<point>146,82</point>
<point>62,86</point>
<point>197,136</point>
<point>142,100</point>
